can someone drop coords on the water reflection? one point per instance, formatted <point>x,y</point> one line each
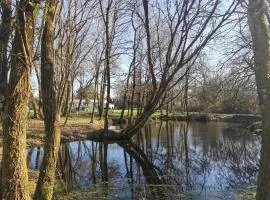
<point>163,161</point>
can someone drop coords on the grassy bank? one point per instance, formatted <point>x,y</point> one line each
<point>235,118</point>
<point>78,126</point>
<point>113,191</point>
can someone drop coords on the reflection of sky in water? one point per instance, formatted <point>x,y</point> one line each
<point>218,158</point>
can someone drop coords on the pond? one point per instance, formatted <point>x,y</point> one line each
<point>166,160</point>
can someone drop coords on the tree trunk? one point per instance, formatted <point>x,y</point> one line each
<point>260,33</point>
<point>67,98</point>
<point>132,93</point>
<point>186,95</point>
<point>14,171</point>
<point>149,109</point>
<point>96,91</point>
<point>94,104</point>
<point>79,104</point>
<point>51,110</point>
<point>5,31</point>
<point>101,98</point>
<point>107,68</point>
<point>126,92</point>
<point>39,111</point>
<point>70,103</point>
<point>149,46</point>
<point>34,105</point>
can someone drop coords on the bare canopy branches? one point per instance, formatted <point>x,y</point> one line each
<point>94,47</point>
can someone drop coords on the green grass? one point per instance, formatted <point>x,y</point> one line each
<point>111,113</point>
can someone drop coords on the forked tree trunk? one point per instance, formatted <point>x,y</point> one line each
<point>260,33</point>
<point>149,109</point>
<point>51,111</point>
<point>14,171</point>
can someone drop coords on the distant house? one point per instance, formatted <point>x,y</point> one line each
<point>88,105</point>
<point>75,103</point>
<point>111,106</point>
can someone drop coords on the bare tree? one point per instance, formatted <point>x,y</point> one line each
<point>111,15</point>
<point>46,178</point>
<point>260,32</point>
<point>14,168</point>
<point>188,33</point>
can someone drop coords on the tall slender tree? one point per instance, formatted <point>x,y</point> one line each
<point>51,112</point>
<point>260,32</point>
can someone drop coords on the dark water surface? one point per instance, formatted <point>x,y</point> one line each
<point>166,160</point>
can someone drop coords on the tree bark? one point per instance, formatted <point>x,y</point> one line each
<point>79,104</point>
<point>107,63</point>
<point>186,109</point>
<point>34,105</point>
<point>260,33</point>
<point>67,98</point>
<point>51,111</point>
<point>149,47</point>
<point>5,32</point>
<point>14,171</point>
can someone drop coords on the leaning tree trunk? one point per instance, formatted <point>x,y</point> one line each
<point>149,109</point>
<point>260,33</point>
<point>14,171</point>
<point>51,112</point>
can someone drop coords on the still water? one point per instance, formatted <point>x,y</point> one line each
<point>166,160</point>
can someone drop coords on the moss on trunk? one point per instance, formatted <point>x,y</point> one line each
<point>14,171</point>
<point>260,33</point>
<point>51,112</point>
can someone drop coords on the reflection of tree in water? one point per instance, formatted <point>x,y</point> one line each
<point>150,171</point>
<point>65,168</point>
<point>164,154</point>
<point>34,157</point>
<point>192,156</point>
<point>239,160</point>
<point>189,157</point>
<point>86,164</point>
